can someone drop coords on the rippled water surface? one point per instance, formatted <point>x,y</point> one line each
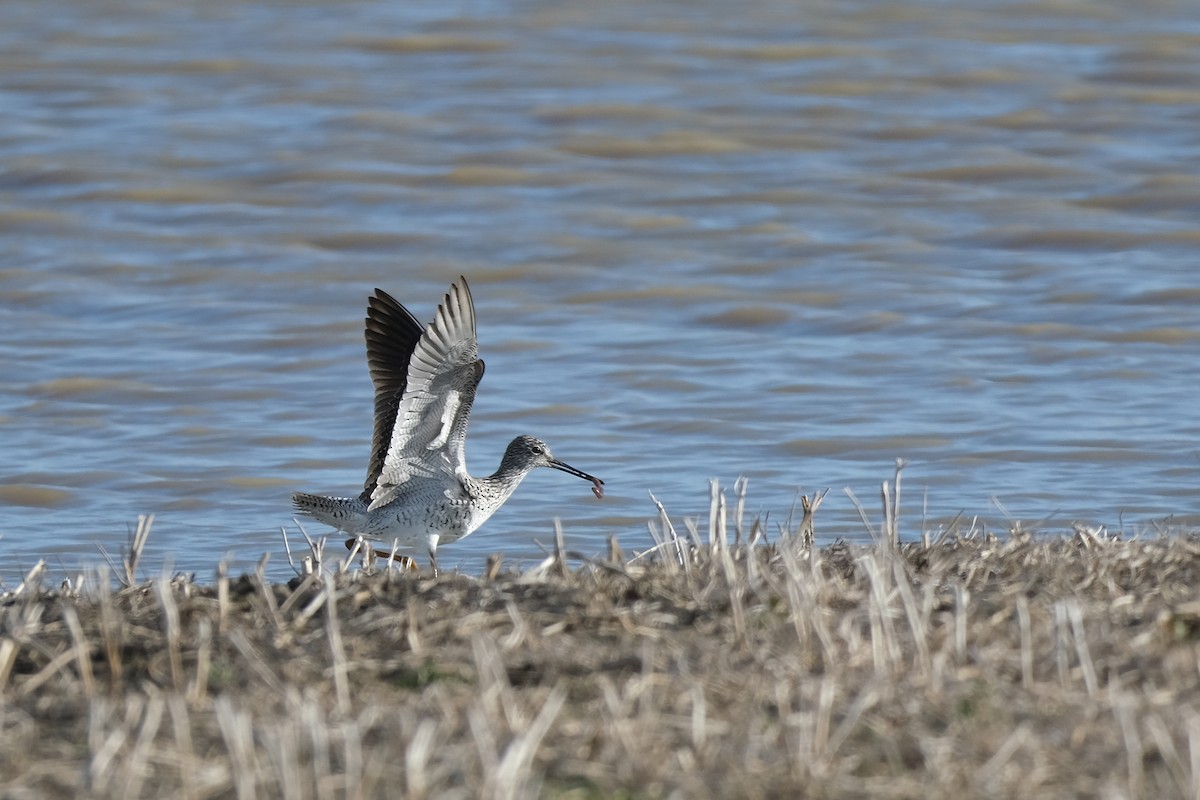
<point>793,242</point>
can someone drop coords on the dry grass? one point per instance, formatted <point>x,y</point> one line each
<point>967,666</point>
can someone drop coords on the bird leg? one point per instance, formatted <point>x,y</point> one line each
<point>433,543</point>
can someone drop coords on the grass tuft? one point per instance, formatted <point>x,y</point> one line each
<point>715,664</point>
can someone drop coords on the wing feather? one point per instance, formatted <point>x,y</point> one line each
<point>392,334</point>
<point>431,419</point>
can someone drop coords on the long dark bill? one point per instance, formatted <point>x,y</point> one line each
<point>597,484</point>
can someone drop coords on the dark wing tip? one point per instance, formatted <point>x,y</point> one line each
<point>466,289</point>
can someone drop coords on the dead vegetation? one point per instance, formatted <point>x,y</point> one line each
<point>969,665</point>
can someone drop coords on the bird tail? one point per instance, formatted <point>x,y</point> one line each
<point>347,514</point>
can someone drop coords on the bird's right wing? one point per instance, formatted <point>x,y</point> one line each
<point>431,419</point>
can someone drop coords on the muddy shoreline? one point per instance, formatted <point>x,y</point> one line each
<point>973,666</point>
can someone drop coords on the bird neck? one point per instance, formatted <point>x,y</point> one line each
<point>508,473</point>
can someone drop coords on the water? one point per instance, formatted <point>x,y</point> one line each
<point>791,246</point>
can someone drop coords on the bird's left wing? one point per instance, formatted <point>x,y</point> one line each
<point>431,421</point>
<point>392,333</point>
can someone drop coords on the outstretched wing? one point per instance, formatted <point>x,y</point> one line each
<point>392,334</point>
<point>431,421</point>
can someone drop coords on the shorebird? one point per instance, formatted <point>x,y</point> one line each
<point>418,490</point>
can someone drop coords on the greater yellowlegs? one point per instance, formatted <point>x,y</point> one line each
<point>418,490</point>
